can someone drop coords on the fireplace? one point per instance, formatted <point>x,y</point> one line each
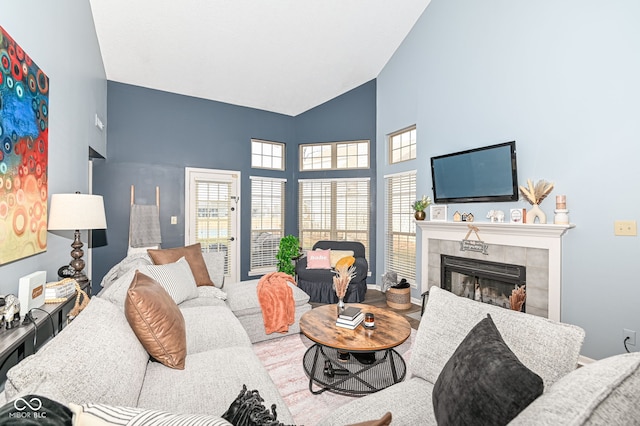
<point>487,282</point>
<point>538,247</point>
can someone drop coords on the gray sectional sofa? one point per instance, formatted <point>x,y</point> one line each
<point>98,358</point>
<point>606,392</point>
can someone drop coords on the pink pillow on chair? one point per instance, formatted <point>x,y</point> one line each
<point>318,259</point>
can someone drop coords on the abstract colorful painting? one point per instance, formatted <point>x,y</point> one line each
<point>24,116</point>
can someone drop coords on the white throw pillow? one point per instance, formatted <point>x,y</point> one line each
<point>339,254</point>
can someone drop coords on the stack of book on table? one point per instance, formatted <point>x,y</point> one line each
<point>350,318</point>
<point>56,292</point>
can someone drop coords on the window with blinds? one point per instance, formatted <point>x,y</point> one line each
<point>400,244</point>
<point>267,223</point>
<point>213,224</point>
<point>333,209</point>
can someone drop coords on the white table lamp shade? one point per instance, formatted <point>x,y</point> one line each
<point>76,211</point>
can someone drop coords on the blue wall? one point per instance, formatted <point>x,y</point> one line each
<point>154,135</point>
<point>351,116</point>
<point>60,37</point>
<point>561,78</point>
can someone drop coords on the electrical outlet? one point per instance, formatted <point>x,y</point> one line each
<point>631,335</point>
<point>625,227</point>
<point>174,220</point>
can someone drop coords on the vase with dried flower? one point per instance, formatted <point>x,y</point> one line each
<point>345,271</point>
<point>419,206</point>
<point>534,194</point>
<point>517,298</point>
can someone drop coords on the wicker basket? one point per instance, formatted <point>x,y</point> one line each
<point>399,298</point>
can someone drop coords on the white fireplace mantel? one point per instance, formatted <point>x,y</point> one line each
<point>543,236</point>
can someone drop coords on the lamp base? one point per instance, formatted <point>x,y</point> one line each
<point>80,278</point>
<point>77,264</point>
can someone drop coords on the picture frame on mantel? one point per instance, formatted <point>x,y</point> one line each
<point>437,213</point>
<point>518,216</point>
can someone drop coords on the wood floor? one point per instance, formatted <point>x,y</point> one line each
<point>378,299</point>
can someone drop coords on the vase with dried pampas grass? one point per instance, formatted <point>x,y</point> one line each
<point>344,273</point>
<point>534,194</point>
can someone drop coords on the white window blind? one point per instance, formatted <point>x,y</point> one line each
<point>400,253</point>
<point>267,223</point>
<point>213,225</point>
<point>334,209</point>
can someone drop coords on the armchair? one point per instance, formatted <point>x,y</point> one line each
<point>318,283</point>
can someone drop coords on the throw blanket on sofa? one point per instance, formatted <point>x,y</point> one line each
<point>276,300</point>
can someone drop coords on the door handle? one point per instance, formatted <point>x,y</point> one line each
<point>232,239</point>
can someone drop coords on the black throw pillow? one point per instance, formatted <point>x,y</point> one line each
<point>483,383</point>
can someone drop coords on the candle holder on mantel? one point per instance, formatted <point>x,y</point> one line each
<point>562,214</point>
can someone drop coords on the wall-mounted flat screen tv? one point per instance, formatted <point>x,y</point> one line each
<point>476,175</point>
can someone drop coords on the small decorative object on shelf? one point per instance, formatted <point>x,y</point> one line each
<point>534,195</point>
<point>518,215</point>
<point>496,216</point>
<point>439,214</point>
<point>562,214</point>
<point>457,217</point>
<point>419,206</point>
<point>9,311</point>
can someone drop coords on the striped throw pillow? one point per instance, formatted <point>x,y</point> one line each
<point>176,278</point>
<point>101,414</point>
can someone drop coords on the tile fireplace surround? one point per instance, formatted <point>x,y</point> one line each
<point>538,247</point>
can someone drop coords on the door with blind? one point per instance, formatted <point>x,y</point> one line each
<point>211,214</point>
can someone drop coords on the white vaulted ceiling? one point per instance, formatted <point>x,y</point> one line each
<point>285,56</point>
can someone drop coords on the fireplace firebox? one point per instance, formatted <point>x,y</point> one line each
<point>488,282</point>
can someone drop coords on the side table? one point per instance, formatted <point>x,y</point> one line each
<point>24,340</point>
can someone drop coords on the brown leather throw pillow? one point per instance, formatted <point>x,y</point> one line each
<point>157,321</point>
<point>192,253</point>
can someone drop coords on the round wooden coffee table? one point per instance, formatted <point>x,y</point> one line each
<point>354,362</point>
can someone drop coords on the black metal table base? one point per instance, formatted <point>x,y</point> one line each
<point>358,377</point>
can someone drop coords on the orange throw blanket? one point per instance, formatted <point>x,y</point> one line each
<point>276,300</point>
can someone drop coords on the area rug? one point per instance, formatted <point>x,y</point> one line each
<point>282,358</point>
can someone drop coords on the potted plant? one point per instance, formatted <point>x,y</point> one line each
<point>288,251</point>
<point>419,207</point>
